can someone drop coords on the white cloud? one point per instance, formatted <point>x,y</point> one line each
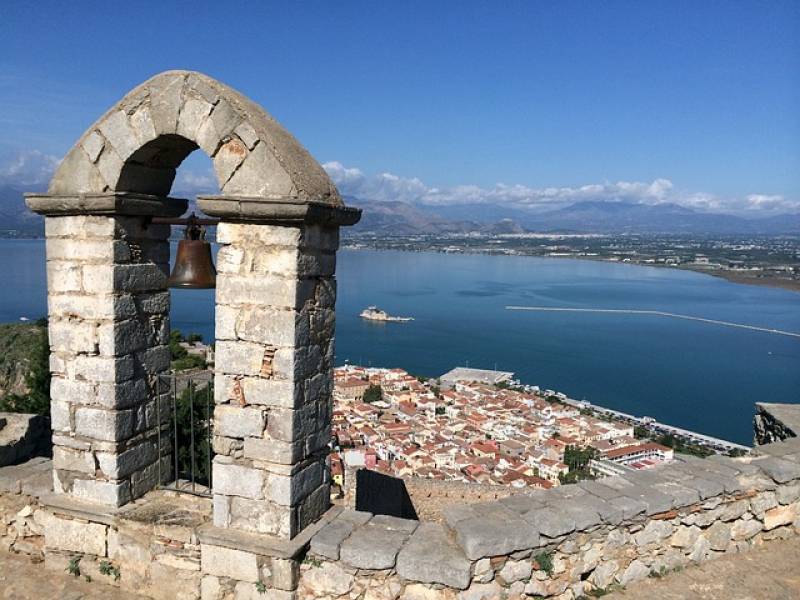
<point>387,186</point>
<point>192,183</point>
<point>28,169</point>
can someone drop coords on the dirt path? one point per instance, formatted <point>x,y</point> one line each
<point>768,573</point>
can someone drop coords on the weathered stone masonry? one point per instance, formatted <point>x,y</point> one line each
<point>274,361</point>
<point>109,329</point>
<point>563,543</point>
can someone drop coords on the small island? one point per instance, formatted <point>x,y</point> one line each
<point>373,313</point>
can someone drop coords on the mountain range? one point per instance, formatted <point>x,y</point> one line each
<point>403,218</point>
<point>588,216</point>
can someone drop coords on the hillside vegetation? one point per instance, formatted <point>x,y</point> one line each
<point>24,368</point>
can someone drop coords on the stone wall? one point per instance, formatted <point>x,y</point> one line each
<point>430,497</point>
<point>108,327</point>
<point>776,422</point>
<point>566,542</point>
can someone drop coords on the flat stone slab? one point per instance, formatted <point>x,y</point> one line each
<point>550,522</point>
<point>490,529</point>
<point>431,556</point>
<point>779,469</point>
<point>30,477</point>
<point>374,545</point>
<point>329,539</point>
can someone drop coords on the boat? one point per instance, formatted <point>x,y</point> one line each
<point>373,313</point>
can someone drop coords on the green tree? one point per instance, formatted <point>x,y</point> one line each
<point>36,349</point>
<point>373,394</point>
<point>192,415</point>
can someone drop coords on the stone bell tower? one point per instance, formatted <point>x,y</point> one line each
<point>108,302</point>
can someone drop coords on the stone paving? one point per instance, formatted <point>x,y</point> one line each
<point>767,573</point>
<point>21,579</point>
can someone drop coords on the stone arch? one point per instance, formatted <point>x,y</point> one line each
<point>137,145</point>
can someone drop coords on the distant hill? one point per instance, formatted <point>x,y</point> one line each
<point>589,216</point>
<point>403,218</point>
<point>15,218</point>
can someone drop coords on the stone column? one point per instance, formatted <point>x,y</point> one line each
<point>275,316</point>
<point>109,329</point>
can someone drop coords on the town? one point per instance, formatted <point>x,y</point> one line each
<point>752,259</point>
<point>477,426</point>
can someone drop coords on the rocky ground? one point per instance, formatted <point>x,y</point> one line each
<point>22,579</point>
<point>768,573</point>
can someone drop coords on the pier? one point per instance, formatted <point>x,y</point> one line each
<point>656,313</point>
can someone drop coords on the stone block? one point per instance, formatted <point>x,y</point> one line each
<point>289,490</point>
<point>70,459</point>
<point>70,391</point>
<point>123,464</point>
<point>744,530</point>
<point>165,103</point>
<point>63,276</point>
<point>155,359</point>
<point>233,479</point>
<point>327,541</point>
<point>191,116</point>
<point>274,451</point>
<point>450,567</point>
<point>258,516</point>
<point>372,547</point>
<point>550,522</point>
<point>261,174</point>
<point>273,235</point>
<point>121,395</point>
<point>142,124</point>
<point>290,425</point>
<point>328,579</point>
<point>102,369</point>
<point>272,326</point>
<point>59,412</point>
<point>785,494</point>
<point>238,421</point>
<point>494,534</point>
<point>75,536</point>
<point>271,392</point>
<point>227,562</point>
<point>105,425</point>
<point>239,358</point>
<point>227,159</point>
<point>780,515</point>
<point>258,290</point>
<point>112,493</point>
<point>780,470</point>
<point>118,131</point>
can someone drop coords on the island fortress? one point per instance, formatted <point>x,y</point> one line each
<point>268,530</point>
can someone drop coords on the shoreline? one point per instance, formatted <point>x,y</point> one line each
<point>790,285</point>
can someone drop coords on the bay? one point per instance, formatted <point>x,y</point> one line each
<point>696,375</point>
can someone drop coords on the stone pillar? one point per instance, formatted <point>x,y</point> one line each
<point>273,385</point>
<point>109,329</point>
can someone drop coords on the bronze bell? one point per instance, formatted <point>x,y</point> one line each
<point>194,267</point>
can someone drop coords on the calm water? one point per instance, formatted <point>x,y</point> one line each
<point>695,375</point>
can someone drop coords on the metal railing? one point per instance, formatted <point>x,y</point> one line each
<point>185,413</point>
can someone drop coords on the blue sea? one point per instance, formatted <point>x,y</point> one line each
<point>690,374</point>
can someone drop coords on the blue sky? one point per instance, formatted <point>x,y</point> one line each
<point>516,102</point>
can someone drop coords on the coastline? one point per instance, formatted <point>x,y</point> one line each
<point>742,277</point>
<point>790,285</point>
